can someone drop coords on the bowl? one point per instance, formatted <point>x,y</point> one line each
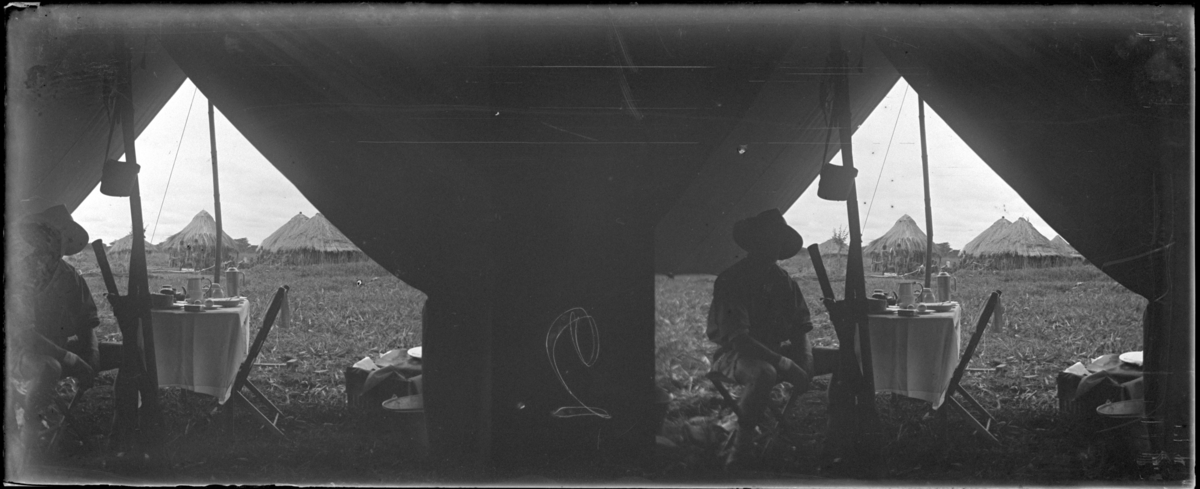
<point>162,301</point>
<point>193,307</point>
<point>877,306</point>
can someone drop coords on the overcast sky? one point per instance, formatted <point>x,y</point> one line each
<point>256,199</point>
<point>966,196</point>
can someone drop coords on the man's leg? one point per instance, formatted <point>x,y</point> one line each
<point>758,377</point>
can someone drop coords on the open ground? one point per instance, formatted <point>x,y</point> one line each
<point>1055,317</point>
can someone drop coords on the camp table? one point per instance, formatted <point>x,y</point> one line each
<point>915,356</point>
<point>201,351</point>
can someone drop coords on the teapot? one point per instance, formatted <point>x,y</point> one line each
<point>175,295</point>
<point>880,294</point>
<point>928,296</point>
<point>214,291</point>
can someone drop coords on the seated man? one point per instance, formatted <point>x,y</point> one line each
<point>53,317</point>
<point>760,320</point>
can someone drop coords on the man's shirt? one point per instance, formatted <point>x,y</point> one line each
<point>758,299</point>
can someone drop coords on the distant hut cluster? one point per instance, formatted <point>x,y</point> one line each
<point>195,245</point>
<point>306,241</point>
<point>1006,245</point>
<point>900,250</point>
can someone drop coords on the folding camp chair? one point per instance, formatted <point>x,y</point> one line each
<point>727,401</point>
<point>243,377</point>
<point>956,388</point>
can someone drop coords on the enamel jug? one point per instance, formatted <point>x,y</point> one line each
<point>195,291</point>
<point>907,295</point>
<point>945,284</point>
<point>233,281</point>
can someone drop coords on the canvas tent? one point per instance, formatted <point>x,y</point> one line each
<point>1012,245</point>
<point>307,241</point>
<point>570,174</point>
<point>195,244</point>
<point>900,250</point>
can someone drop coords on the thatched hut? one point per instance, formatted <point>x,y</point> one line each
<point>900,250</point>
<point>305,241</point>
<point>124,246</point>
<point>284,234</point>
<point>1007,245</point>
<point>1069,255</point>
<point>195,245</point>
<point>832,247</point>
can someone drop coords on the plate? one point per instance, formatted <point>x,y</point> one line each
<point>415,352</point>
<point>1123,409</point>
<point>227,302</point>
<point>405,404</point>
<point>1132,357</point>
<point>193,308</point>
<point>939,306</point>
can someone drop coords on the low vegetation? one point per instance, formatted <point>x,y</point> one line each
<point>1055,317</point>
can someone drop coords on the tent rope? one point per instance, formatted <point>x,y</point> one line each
<point>169,175</point>
<point>885,157</point>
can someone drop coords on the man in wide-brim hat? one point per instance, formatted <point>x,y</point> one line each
<point>760,320</point>
<point>51,317</point>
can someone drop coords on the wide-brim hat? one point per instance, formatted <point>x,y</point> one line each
<point>73,237</point>
<point>768,233</point>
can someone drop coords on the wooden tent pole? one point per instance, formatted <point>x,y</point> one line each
<point>212,143</point>
<point>856,289</point>
<point>928,208</point>
<point>139,285</point>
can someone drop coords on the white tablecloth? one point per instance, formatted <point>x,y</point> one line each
<point>201,351</point>
<point>915,356</point>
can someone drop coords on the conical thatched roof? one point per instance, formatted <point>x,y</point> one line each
<point>1064,247</point>
<point>987,235</point>
<point>1019,238</point>
<point>904,236</point>
<point>283,234</point>
<point>830,247</point>
<point>200,233</point>
<point>315,234</point>
<point>125,245</point>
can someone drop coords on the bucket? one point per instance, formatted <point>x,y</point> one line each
<point>118,177</point>
<point>408,414</point>
<point>836,182</point>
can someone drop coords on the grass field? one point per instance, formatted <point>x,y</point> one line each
<point>1055,317</point>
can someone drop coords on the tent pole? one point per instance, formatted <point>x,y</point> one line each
<point>212,143</point>
<point>928,208</point>
<point>139,280</point>
<point>856,288</point>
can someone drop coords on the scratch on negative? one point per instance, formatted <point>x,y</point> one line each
<point>568,132</point>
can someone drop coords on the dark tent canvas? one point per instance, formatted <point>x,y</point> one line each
<point>574,153</point>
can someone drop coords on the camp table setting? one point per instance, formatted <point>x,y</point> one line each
<point>914,346</point>
<point>199,346</point>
